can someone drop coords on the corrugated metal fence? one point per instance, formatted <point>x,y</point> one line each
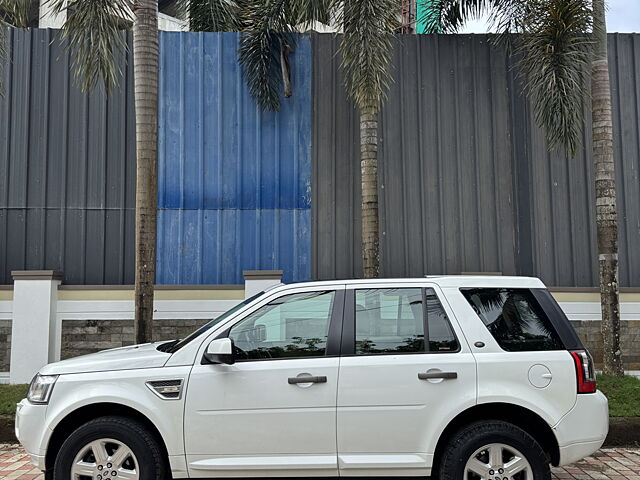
<point>235,182</point>
<point>67,168</point>
<point>466,181</point>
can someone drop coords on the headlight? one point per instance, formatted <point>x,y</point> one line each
<point>40,388</point>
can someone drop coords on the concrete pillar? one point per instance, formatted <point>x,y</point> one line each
<point>48,19</point>
<point>255,281</point>
<point>33,328</point>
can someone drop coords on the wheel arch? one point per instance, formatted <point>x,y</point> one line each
<point>86,413</point>
<point>517,415</point>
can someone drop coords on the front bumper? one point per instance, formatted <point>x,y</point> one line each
<point>31,431</point>
<point>583,430</point>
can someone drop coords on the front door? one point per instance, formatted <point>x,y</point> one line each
<point>274,411</point>
<point>406,371</point>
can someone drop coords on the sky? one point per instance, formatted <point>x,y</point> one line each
<point>622,16</point>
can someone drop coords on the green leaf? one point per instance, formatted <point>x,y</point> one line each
<point>366,49</point>
<point>94,33</point>
<point>555,51</point>
<point>16,12</point>
<point>267,28</point>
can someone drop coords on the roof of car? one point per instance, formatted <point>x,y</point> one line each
<point>458,281</point>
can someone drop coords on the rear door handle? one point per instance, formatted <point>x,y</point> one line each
<point>308,379</point>
<point>432,375</point>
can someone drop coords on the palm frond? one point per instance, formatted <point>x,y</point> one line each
<point>447,16</point>
<point>306,11</point>
<point>554,54</point>
<point>16,12</point>
<point>267,39</point>
<point>93,31</point>
<point>366,49</point>
<point>211,15</point>
<point>267,29</point>
<point>553,50</point>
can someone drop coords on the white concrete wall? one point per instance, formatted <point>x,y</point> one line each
<point>591,310</point>
<point>33,324</point>
<point>172,24</point>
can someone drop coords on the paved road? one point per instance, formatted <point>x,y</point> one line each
<point>607,464</point>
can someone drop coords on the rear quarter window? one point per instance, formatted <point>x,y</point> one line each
<point>514,318</point>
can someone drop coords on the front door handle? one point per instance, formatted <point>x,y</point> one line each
<point>308,379</point>
<point>432,375</point>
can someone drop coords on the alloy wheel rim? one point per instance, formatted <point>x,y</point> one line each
<point>105,459</point>
<point>497,461</point>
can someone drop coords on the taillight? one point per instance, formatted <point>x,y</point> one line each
<point>585,373</point>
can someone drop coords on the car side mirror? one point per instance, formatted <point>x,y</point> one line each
<point>220,350</point>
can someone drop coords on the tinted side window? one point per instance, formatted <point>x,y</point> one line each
<point>514,318</point>
<point>392,320</point>
<point>291,326</point>
<point>389,320</point>
<point>441,336</point>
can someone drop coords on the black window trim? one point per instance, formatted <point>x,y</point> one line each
<point>348,343</point>
<point>558,319</point>
<point>333,336</point>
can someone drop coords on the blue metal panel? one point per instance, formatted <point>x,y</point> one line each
<point>234,182</point>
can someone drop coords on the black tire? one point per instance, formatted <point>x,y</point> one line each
<point>151,461</point>
<point>469,439</point>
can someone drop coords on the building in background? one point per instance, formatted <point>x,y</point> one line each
<point>422,10</point>
<point>42,16</point>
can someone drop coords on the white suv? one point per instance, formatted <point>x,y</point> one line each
<point>465,377</point>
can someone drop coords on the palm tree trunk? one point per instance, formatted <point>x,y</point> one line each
<point>145,57</point>
<point>369,173</point>
<point>606,213</point>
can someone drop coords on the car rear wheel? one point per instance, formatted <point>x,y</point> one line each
<point>494,450</point>
<point>110,448</point>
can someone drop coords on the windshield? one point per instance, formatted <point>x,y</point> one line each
<point>207,326</point>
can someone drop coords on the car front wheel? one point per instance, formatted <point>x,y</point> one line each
<point>110,448</point>
<point>494,450</point>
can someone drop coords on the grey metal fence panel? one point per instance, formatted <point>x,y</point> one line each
<point>624,55</point>
<point>67,167</point>
<point>467,181</point>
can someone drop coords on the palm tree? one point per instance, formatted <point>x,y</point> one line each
<point>93,30</point>
<point>606,211</point>
<point>366,48</point>
<point>560,41</point>
<point>145,53</point>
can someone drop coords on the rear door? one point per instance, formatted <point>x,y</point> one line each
<point>405,372</point>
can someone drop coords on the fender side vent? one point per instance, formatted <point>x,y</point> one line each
<point>166,389</point>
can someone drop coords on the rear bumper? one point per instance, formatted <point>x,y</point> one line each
<point>582,431</point>
<point>578,451</point>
